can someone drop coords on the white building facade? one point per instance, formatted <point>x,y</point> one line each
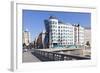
<point>87,37</point>
<point>26,38</point>
<point>64,34</point>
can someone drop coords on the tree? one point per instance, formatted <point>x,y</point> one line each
<point>88,43</point>
<point>24,45</point>
<point>31,45</point>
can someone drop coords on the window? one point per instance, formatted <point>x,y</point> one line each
<point>52,22</point>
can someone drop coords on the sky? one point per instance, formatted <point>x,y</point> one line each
<point>33,21</point>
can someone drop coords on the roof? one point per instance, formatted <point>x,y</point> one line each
<point>52,17</point>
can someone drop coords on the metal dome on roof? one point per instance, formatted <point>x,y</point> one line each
<point>52,17</point>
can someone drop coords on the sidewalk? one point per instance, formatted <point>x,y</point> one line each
<point>28,57</point>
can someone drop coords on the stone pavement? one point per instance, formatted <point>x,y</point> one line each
<point>28,57</point>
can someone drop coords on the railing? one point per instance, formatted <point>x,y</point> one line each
<point>54,56</point>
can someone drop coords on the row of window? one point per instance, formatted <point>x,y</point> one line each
<point>53,26</point>
<point>65,33</point>
<point>60,27</point>
<point>66,30</point>
<point>65,36</point>
<point>55,35</point>
<point>52,30</point>
<point>62,30</point>
<point>61,33</point>
<point>61,40</point>
<point>62,37</point>
<point>65,27</point>
<point>52,22</point>
<point>66,43</point>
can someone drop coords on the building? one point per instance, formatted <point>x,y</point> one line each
<point>87,37</point>
<point>40,42</point>
<point>62,34</point>
<point>26,38</point>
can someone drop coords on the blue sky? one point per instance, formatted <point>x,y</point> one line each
<point>33,20</point>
